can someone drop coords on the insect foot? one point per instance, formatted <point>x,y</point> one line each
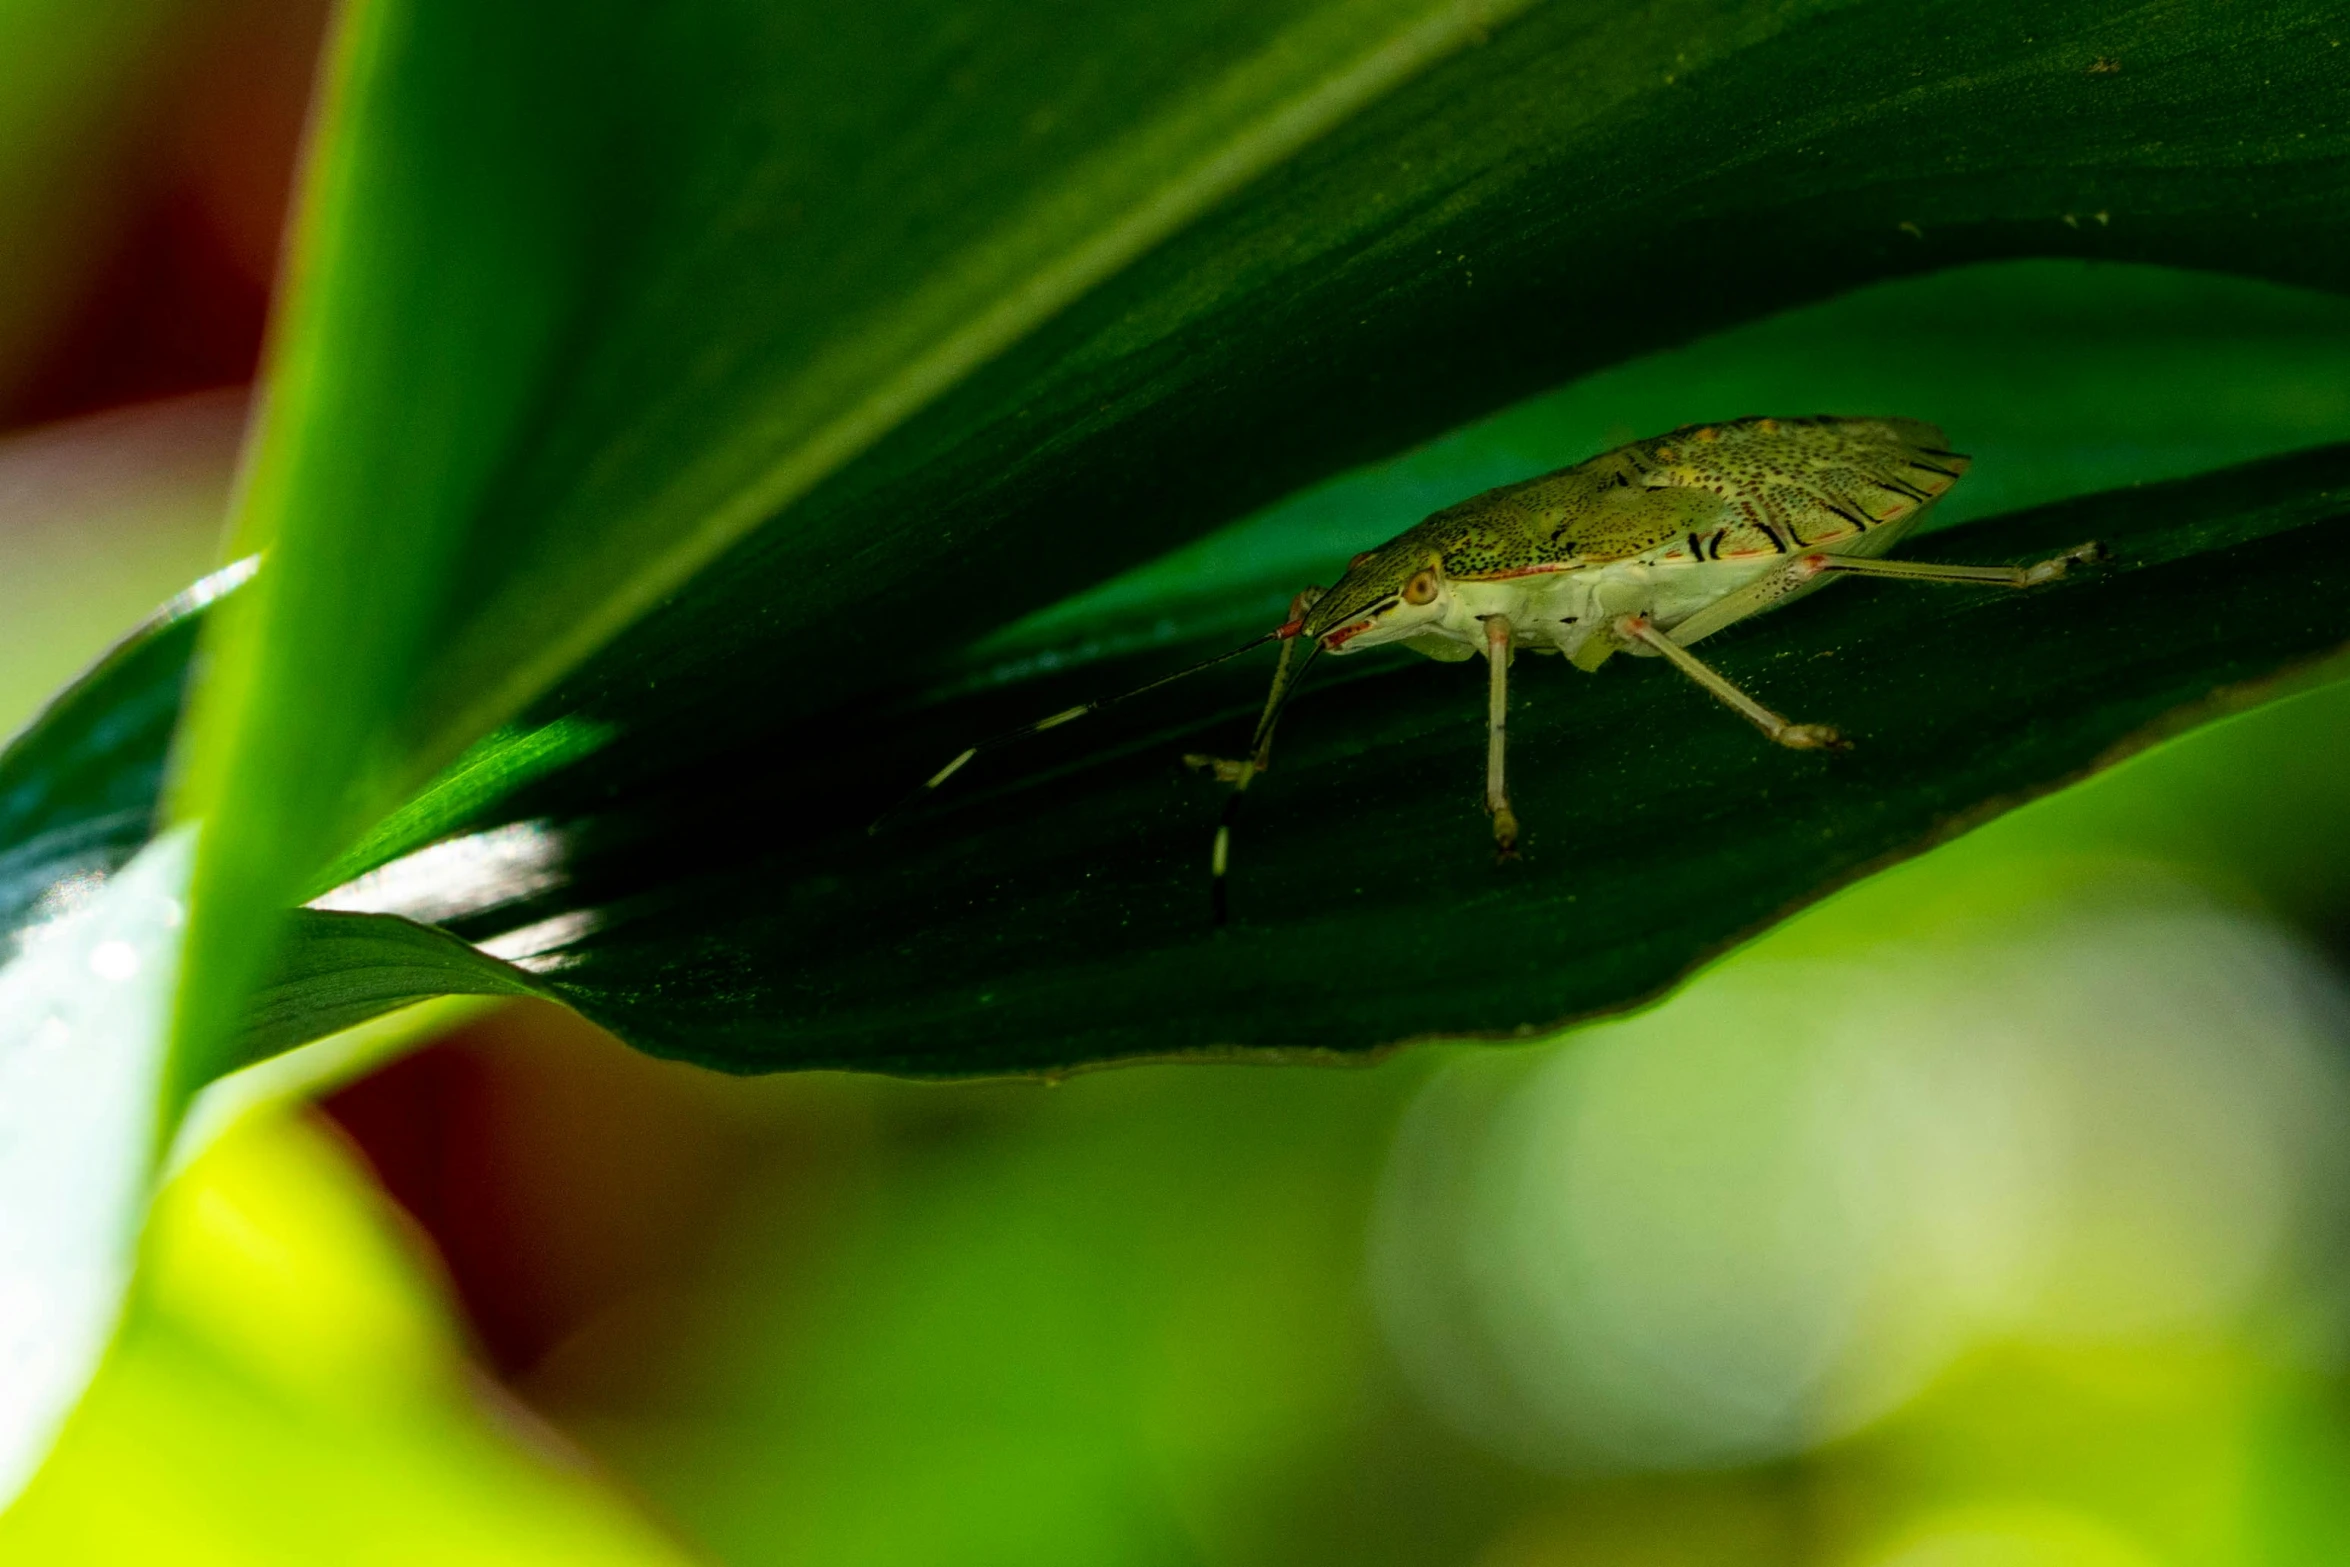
<point>2055,566</point>
<point>1505,836</point>
<point>1225,768</point>
<point>1811,737</point>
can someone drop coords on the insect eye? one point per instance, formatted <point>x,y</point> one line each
<point>1422,588</point>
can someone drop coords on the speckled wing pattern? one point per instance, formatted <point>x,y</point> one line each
<point>1798,484</point>
<point>1734,491</point>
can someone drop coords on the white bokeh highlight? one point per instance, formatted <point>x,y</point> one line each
<point>458,876</point>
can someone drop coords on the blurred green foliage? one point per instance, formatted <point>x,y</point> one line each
<point>289,1386</point>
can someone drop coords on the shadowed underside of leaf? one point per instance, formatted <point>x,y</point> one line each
<point>930,361</point>
<point>1580,189</point>
<point>1580,186</point>
<point>1058,916</point>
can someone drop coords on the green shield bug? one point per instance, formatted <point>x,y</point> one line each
<point>1647,550</point>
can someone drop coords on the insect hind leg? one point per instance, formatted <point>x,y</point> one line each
<point>1776,729</point>
<point>2030,576</point>
<point>1816,568</point>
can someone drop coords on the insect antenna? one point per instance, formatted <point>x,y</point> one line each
<point>1067,715</point>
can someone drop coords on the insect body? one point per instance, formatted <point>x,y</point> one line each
<point>1647,550</point>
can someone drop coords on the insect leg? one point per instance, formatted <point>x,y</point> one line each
<point>1238,770</point>
<point>1260,749</point>
<point>1802,573</point>
<point>1260,745</point>
<point>1237,774</point>
<point>2030,576</point>
<point>1797,737</point>
<point>1497,707</point>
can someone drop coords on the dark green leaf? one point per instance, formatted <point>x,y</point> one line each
<point>971,308</point>
<point>1591,184</point>
<point>2058,376</point>
<point>576,307</point>
<point>79,784</point>
<point>1060,917</point>
<point>341,969</point>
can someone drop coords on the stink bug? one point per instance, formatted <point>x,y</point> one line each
<point>1646,550</point>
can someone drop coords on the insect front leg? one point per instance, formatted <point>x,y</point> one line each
<point>1238,770</point>
<point>1497,707</point>
<point>1260,748</point>
<point>1777,730</point>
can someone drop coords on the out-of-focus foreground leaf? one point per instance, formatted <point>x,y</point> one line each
<point>923,319</point>
<point>79,784</point>
<point>85,1009</point>
<point>92,913</point>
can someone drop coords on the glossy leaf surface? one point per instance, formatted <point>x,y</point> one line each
<point>1046,294</point>
<point>1059,915</point>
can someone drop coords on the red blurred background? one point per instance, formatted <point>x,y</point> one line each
<point>180,301</point>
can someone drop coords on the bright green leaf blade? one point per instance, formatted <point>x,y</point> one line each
<point>339,970</point>
<point>408,352</point>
